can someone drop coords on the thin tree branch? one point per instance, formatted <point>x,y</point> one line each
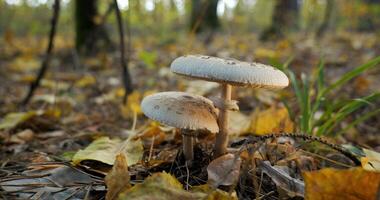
<point>124,62</point>
<point>46,60</point>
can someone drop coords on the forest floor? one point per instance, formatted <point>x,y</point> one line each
<point>79,102</point>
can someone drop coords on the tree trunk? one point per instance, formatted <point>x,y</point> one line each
<point>204,15</point>
<point>89,31</point>
<point>284,17</point>
<point>85,13</point>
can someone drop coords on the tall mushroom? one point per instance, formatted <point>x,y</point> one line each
<point>228,72</point>
<point>184,111</point>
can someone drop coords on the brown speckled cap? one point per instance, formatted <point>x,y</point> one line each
<point>181,110</point>
<point>230,71</point>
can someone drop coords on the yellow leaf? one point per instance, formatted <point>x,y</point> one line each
<point>24,64</point>
<point>105,150</point>
<point>283,45</point>
<point>133,104</point>
<point>265,53</point>
<point>119,92</point>
<point>349,184</point>
<point>52,84</point>
<point>159,186</point>
<point>272,120</point>
<point>85,81</point>
<point>213,194</point>
<point>11,120</point>
<point>117,180</point>
<point>24,78</point>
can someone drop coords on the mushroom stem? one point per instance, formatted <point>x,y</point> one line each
<point>187,143</point>
<point>222,137</point>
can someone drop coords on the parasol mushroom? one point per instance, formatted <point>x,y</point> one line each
<point>185,111</point>
<point>228,72</point>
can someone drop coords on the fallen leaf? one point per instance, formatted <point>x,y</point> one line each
<point>272,120</point>
<point>371,161</point>
<point>11,120</point>
<point>24,64</point>
<point>39,119</point>
<point>282,179</point>
<point>224,170</point>
<point>133,106</point>
<point>53,99</point>
<point>239,123</point>
<point>160,186</point>
<point>117,180</point>
<point>53,84</point>
<point>348,184</point>
<point>85,81</point>
<point>57,181</point>
<point>105,150</point>
<point>22,137</point>
<point>214,194</point>
<point>262,53</point>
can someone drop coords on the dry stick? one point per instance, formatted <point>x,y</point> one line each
<point>254,139</point>
<point>45,62</point>
<point>124,62</point>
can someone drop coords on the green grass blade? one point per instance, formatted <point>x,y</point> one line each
<point>306,115</point>
<point>347,109</point>
<point>359,120</point>
<point>351,74</point>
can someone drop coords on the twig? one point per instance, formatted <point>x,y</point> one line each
<point>254,138</point>
<point>124,62</point>
<point>45,62</point>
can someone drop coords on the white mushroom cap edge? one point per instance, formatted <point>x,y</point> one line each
<point>181,110</point>
<point>230,71</point>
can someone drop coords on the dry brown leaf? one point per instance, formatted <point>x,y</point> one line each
<point>22,137</point>
<point>350,184</point>
<point>280,176</point>
<point>117,180</point>
<point>224,170</point>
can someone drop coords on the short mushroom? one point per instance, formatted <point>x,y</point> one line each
<point>228,72</point>
<point>185,111</point>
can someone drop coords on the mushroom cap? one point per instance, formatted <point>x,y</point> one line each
<point>230,71</point>
<point>181,110</point>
